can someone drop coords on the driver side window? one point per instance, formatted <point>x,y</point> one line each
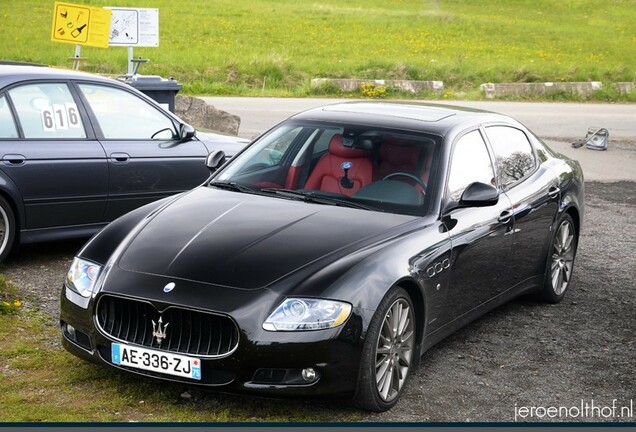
<point>122,115</point>
<point>470,163</point>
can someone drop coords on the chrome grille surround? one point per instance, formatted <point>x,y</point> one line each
<point>189,331</point>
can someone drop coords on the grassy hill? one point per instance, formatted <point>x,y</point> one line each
<point>274,47</point>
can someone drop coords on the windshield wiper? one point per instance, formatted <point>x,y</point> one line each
<point>290,193</point>
<point>310,196</point>
<point>232,186</point>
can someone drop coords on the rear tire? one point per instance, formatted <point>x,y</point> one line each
<point>387,356</point>
<point>7,229</point>
<point>560,262</point>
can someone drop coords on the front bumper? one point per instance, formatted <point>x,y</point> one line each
<point>264,362</point>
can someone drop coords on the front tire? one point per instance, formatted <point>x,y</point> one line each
<point>560,263</point>
<point>7,229</point>
<point>388,352</point>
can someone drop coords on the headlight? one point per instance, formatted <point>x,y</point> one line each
<point>81,276</point>
<point>296,314</point>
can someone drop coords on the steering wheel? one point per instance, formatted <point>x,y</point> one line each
<point>411,176</point>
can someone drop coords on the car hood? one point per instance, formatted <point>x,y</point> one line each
<point>247,241</point>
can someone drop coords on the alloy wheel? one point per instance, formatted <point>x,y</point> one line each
<point>394,350</point>
<point>4,234</point>
<point>562,257</point>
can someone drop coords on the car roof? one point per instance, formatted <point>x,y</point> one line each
<point>15,72</point>
<point>414,116</point>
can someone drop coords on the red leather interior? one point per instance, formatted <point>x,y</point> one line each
<point>328,171</point>
<point>404,156</point>
<point>426,166</point>
<point>396,157</point>
<point>293,175</point>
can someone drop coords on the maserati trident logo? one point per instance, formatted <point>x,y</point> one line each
<point>169,287</point>
<point>159,330</point>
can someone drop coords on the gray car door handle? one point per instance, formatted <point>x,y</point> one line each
<point>505,216</point>
<point>13,159</point>
<point>119,157</point>
<point>554,192</point>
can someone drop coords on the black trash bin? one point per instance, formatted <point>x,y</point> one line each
<point>160,89</point>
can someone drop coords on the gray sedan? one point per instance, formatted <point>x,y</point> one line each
<point>79,150</point>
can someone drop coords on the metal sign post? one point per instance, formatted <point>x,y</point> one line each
<point>131,27</point>
<point>131,67</point>
<point>77,58</point>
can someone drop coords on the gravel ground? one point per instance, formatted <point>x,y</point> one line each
<point>523,354</point>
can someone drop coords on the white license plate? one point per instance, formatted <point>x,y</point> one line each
<point>156,361</point>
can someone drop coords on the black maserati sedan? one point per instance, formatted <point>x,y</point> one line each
<point>330,254</point>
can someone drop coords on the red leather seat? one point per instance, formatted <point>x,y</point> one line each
<point>328,173</point>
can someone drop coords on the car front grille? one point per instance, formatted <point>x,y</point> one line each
<point>186,331</point>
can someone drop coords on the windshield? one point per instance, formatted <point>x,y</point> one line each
<point>351,165</point>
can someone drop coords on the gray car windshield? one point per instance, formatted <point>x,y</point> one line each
<point>348,165</point>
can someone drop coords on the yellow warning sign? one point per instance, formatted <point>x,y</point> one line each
<point>80,25</point>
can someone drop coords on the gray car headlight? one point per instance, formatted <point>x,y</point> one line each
<point>298,314</point>
<point>82,275</point>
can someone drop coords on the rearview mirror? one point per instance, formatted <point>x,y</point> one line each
<point>186,132</point>
<point>215,160</point>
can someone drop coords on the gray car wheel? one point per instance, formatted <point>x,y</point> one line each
<point>7,228</point>
<point>388,353</point>
<point>560,263</point>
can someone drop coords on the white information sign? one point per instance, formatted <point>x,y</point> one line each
<point>134,27</point>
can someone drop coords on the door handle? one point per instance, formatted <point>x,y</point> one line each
<point>13,159</point>
<point>554,192</point>
<point>120,157</point>
<point>505,216</point>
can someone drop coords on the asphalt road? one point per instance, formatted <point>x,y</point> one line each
<point>560,121</point>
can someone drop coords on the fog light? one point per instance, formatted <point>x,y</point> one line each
<point>309,375</point>
<point>71,331</point>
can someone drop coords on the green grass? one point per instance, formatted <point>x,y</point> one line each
<point>41,382</point>
<point>274,47</point>
<point>10,302</point>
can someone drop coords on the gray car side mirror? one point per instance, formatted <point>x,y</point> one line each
<point>215,160</point>
<point>186,132</point>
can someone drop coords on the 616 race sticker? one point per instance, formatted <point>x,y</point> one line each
<point>60,117</point>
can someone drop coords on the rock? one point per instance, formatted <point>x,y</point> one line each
<point>203,116</point>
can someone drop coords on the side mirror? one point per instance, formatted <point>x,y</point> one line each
<point>215,160</point>
<point>475,195</point>
<point>479,195</point>
<point>186,132</point>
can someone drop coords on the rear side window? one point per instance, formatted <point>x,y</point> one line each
<point>47,110</point>
<point>7,125</point>
<point>513,154</point>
